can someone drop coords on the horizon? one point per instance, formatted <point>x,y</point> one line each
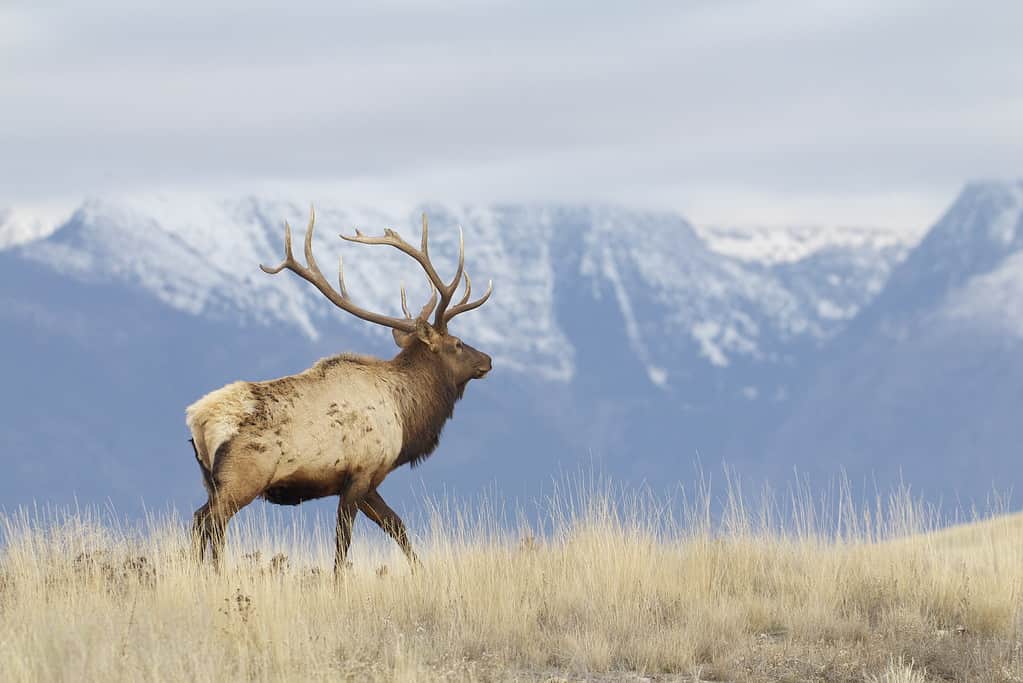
<point>28,221</point>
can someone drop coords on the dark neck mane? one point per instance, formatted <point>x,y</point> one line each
<point>426,396</point>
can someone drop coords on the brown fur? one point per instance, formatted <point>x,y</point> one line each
<point>427,400</point>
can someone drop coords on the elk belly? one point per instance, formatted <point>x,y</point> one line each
<point>333,444</point>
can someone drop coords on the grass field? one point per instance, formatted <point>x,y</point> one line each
<point>615,588</point>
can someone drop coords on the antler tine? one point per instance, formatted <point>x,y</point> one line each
<point>428,308</point>
<point>404,302</point>
<point>425,248</point>
<point>468,290</point>
<point>289,258</point>
<point>462,308</point>
<point>309,258</point>
<point>341,276</point>
<point>455,281</point>
<point>448,290</point>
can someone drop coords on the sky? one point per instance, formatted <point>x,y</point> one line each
<point>867,112</point>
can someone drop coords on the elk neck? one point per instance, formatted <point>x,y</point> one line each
<point>426,393</point>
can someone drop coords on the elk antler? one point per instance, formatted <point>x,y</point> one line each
<point>311,273</point>
<point>422,256</point>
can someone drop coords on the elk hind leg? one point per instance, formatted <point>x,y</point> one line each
<point>200,532</point>
<point>236,480</point>
<point>200,519</point>
<point>230,496</point>
<point>222,508</point>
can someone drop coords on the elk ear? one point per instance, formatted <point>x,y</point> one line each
<point>402,339</point>
<point>427,335</point>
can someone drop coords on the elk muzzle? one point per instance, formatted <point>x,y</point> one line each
<point>484,367</point>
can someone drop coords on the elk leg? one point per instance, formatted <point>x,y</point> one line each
<point>374,507</point>
<point>346,511</point>
<point>222,507</point>
<point>233,486</point>
<point>220,513</point>
<point>200,535</point>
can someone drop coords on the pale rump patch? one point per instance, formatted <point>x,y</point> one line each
<point>217,416</point>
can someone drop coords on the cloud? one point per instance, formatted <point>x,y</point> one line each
<point>804,110</point>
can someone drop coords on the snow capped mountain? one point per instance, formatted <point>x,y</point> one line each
<point>927,377</point>
<point>991,299</point>
<point>985,213</point>
<point>201,256</point>
<point>964,265</point>
<point>772,245</point>
<point>619,334</point>
<point>656,275</point>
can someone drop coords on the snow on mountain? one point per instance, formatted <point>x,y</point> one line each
<point>771,245</point>
<point>964,264</point>
<point>991,301</point>
<point>723,306</point>
<point>660,348</point>
<point>199,255</point>
<point>26,223</point>
<point>926,379</point>
<point>985,213</point>
<point>991,217</point>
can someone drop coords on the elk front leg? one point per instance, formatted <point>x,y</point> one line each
<point>374,507</point>
<point>346,511</point>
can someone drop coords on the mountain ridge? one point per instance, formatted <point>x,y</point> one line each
<point>929,371</point>
<point>617,335</point>
<point>166,246</point>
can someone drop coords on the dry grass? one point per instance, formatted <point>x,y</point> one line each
<point>639,590</point>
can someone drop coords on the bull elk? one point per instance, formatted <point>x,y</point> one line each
<point>340,427</point>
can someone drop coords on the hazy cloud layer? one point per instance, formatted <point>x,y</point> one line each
<point>730,111</point>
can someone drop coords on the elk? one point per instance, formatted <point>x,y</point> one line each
<point>340,427</point>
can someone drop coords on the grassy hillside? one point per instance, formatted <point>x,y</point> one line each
<point>637,590</point>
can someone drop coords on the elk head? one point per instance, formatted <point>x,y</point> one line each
<point>460,361</point>
<point>416,336</point>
